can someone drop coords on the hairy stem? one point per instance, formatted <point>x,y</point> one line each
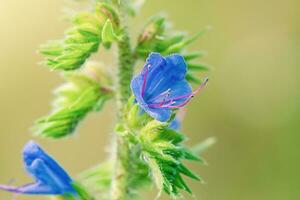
<point>120,190</point>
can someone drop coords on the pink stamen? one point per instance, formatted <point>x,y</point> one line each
<point>9,188</point>
<point>161,104</point>
<point>180,105</point>
<point>163,94</point>
<point>191,96</point>
<point>172,101</point>
<point>194,93</point>
<point>200,87</point>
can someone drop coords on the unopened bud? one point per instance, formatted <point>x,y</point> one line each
<point>155,27</point>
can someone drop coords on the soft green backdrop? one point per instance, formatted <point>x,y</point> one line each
<point>251,103</point>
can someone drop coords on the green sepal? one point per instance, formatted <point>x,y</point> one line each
<point>81,193</point>
<point>82,40</point>
<point>204,145</point>
<point>154,38</point>
<point>198,67</point>
<point>80,95</point>
<point>109,34</point>
<point>169,135</point>
<point>105,11</point>
<point>164,153</point>
<point>192,78</point>
<point>193,55</point>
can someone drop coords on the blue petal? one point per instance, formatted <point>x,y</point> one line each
<point>33,151</point>
<point>50,178</point>
<point>178,64</point>
<point>180,89</point>
<point>161,74</point>
<point>161,114</point>
<point>44,174</point>
<point>165,74</point>
<point>136,87</point>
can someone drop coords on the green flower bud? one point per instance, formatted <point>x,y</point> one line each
<point>154,28</point>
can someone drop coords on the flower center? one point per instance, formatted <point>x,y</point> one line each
<point>171,102</point>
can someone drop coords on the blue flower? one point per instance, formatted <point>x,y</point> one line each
<point>161,86</point>
<point>50,177</point>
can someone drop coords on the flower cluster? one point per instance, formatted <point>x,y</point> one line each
<point>159,89</point>
<point>149,143</point>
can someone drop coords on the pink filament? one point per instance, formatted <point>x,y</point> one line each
<point>172,101</point>
<point>9,188</point>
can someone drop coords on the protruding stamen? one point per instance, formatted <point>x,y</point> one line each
<point>193,93</point>
<point>163,94</point>
<point>9,188</point>
<point>166,94</point>
<point>190,96</point>
<point>168,103</point>
<point>200,87</point>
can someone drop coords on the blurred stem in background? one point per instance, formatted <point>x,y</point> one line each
<point>122,152</point>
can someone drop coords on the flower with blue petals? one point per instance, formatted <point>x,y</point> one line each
<point>50,177</point>
<point>161,86</point>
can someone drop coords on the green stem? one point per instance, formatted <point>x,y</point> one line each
<point>120,190</point>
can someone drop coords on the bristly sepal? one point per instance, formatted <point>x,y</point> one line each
<point>155,37</point>
<point>164,152</point>
<point>83,92</point>
<point>82,40</point>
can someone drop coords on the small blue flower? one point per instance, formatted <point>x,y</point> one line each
<point>50,177</point>
<point>161,86</point>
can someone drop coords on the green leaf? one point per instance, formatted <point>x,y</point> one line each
<point>169,135</point>
<point>202,146</point>
<point>81,41</point>
<point>198,67</point>
<point>192,78</point>
<point>81,191</point>
<point>177,47</point>
<point>78,96</point>
<point>164,154</point>
<point>98,179</point>
<point>106,11</point>
<point>184,170</point>
<point>81,194</point>
<point>108,34</point>
<point>154,27</point>
<point>194,55</point>
<point>157,175</point>
<point>155,38</point>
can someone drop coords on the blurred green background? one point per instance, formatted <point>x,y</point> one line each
<point>252,103</point>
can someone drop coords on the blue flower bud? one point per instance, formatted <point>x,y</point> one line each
<point>50,177</point>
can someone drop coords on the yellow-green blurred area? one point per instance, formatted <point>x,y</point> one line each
<point>251,104</point>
